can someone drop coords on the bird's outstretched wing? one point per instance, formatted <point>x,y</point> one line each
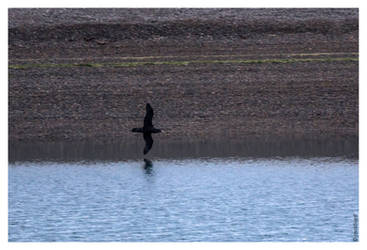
<point>148,142</point>
<point>148,116</point>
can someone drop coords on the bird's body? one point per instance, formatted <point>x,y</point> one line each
<point>148,129</point>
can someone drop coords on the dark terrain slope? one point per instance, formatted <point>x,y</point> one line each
<point>77,74</point>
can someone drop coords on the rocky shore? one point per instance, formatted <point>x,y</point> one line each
<point>86,74</point>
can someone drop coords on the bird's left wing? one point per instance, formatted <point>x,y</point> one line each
<point>148,116</point>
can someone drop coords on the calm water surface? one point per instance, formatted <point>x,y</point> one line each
<point>214,199</point>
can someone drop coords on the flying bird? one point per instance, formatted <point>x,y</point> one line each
<point>148,129</point>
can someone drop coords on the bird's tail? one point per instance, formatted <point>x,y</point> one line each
<point>137,130</point>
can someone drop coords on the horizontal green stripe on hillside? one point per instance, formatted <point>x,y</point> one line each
<point>182,63</point>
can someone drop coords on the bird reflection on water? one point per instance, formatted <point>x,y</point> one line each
<point>148,166</point>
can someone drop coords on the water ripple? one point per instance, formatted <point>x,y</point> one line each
<point>288,199</point>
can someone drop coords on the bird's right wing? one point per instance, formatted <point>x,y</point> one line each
<point>148,142</point>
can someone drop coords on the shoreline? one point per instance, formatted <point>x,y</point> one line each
<point>185,148</point>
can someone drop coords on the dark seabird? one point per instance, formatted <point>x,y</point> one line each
<point>148,129</point>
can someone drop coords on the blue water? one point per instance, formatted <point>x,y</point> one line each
<point>277,199</point>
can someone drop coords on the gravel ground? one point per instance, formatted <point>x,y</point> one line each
<point>51,17</point>
<point>72,77</point>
